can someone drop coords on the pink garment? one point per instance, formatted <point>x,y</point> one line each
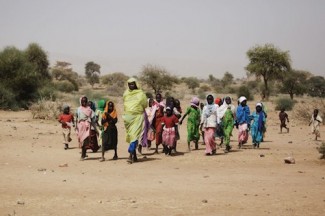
<point>83,131</point>
<point>243,133</point>
<point>169,136</point>
<point>210,144</point>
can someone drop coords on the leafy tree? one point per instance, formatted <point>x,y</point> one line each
<point>294,83</point>
<point>192,83</point>
<point>227,79</point>
<point>63,72</point>
<point>23,74</point>
<point>157,78</point>
<point>92,71</point>
<point>316,86</point>
<point>38,57</point>
<point>268,62</point>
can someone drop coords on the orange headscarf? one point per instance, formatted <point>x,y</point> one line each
<point>113,114</point>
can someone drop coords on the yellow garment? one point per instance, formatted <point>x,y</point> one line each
<point>135,102</point>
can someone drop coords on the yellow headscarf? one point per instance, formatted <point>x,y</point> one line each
<point>113,114</point>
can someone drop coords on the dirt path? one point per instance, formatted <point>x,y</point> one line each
<point>243,182</point>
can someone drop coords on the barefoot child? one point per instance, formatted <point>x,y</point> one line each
<point>283,116</point>
<point>66,120</point>
<point>170,128</point>
<point>193,122</point>
<point>315,123</point>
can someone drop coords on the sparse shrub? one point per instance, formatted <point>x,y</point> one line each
<point>7,99</point>
<point>285,103</point>
<point>48,92</point>
<point>45,109</point>
<point>205,88</point>
<point>303,110</point>
<point>321,150</point>
<point>201,94</point>
<point>244,91</point>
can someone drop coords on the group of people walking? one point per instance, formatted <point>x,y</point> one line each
<point>153,119</point>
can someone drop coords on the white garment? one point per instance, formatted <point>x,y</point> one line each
<point>210,119</point>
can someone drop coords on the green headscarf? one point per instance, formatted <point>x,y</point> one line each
<point>101,105</point>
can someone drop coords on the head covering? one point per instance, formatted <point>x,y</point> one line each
<point>113,114</point>
<point>195,102</point>
<point>101,105</point>
<point>132,79</point>
<point>65,106</point>
<point>258,104</point>
<point>242,98</point>
<point>168,108</point>
<point>217,100</point>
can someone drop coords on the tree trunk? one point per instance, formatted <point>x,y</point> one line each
<point>266,93</point>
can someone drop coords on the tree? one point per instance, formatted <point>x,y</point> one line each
<point>192,83</point>
<point>63,72</point>
<point>268,62</point>
<point>294,83</point>
<point>92,71</point>
<point>157,78</point>
<point>117,79</point>
<point>227,79</point>
<point>23,74</point>
<point>215,83</point>
<point>38,57</point>
<point>316,86</point>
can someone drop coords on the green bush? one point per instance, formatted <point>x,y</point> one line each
<point>65,86</point>
<point>285,103</point>
<point>244,91</point>
<point>48,92</point>
<point>7,99</point>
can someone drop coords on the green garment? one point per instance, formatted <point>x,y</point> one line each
<point>135,102</point>
<point>193,123</point>
<point>227,125</point>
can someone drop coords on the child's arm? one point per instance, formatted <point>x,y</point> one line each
<point>181,121</point>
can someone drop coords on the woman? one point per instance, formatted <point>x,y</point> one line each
<point>135,102</point>
<point>209,122</point>
<point>243,121</point>
<point>99,113</point>
<point>257,127</point>
<point>85,122</point>
<point>109,120</point>
<point>193,122</point>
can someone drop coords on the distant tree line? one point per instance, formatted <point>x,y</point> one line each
<point>26,77</point>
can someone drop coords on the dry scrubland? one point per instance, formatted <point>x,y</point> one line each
<point>38,177</point>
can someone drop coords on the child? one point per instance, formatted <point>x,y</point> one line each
<point>315,122</point>
<point>283,116</point>
<point>109,120</point>
<point>193,122</point>
<point>169,123</point>
<point>257,127</point>
<point>209,123</point>
<point>66,120</point>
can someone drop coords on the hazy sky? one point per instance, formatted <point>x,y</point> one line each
<point>186,37</point>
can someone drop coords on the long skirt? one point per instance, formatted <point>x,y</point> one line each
<point>209,139</point>
<point>169,137</point>
<point>109,137</point>
<point>243,133</point>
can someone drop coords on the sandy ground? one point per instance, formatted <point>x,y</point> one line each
<point>243,182</point>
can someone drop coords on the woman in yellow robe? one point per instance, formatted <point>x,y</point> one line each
<point>135,102</point>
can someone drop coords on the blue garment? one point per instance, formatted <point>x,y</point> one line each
<point>242,114</point>
<point>257,126</point>
<point>133,146</point>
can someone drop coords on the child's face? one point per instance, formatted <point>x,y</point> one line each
<point>66,110</point>
<point>210,99</point>
<point>110,107</point>
<point>169,112</point>
<point>258,109</point>
<point>84,102</point>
